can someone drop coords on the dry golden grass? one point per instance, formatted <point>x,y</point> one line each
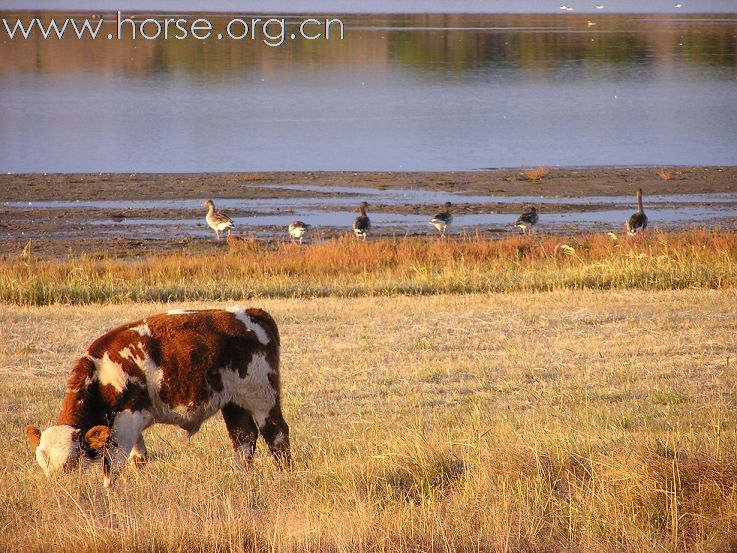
<point>561,421</point>
<point>346,267</point>
<point>536,174</point>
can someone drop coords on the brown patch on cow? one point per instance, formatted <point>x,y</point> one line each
<point>33,434</point>
<point>82,402</point>
<point>109,394</point>
<point>195,347</point>
<point>97,437</point>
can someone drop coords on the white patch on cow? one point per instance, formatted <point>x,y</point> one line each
<point>58,447</point>
<point>127,429</point>
<point>142,329</point>
<point>280,438</point>
<point>249,323</point>
<point>110,372</point>
<point>254,391</point>
<point>178,312</point>
<point>243,456</point>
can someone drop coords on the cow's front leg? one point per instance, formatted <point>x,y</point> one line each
<point>139,454</point>
<point>243,433</point>
<point>127,429</point>
<point>276,433</point>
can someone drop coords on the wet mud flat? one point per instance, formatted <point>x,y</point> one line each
<point>135,215</point>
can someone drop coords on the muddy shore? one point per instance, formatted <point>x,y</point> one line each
<point>107,230</point>
<point>504,182</point>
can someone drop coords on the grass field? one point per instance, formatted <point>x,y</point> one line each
<point>559,421</point>
<point>348,268</point>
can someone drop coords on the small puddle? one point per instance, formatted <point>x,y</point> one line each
<point>344,219</point>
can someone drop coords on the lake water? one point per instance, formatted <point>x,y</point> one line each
<point>400,92</point>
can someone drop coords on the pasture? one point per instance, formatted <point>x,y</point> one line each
<point>568,420</point>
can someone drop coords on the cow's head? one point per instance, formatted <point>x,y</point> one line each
<point>60,448</point>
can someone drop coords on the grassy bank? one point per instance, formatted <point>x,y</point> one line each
<point>347,268</point>
<point>566,421</point>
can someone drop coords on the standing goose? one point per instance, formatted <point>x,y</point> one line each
<point>217,221</point>
<point>638,221</point>
<point>527,220</point>
<point>362,224</point>
<point>297,230</point>
<point>443,220</point>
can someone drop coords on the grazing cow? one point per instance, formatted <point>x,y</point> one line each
<point>180,368</point>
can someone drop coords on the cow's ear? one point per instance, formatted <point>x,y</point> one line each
<point>97,437</point>
<point>33,434</point>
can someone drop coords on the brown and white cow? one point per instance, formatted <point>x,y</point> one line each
<point>180,368</point>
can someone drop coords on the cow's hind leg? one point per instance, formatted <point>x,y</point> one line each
<point>276,433</point>
<point>243,433</point>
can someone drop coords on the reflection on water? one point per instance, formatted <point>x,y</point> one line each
<point>402,92</point>
<point>388,6</point>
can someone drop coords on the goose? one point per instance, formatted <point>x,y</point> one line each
<point>638,221</point>
<point>527,220</point>
<point>443,220</point>
<point>297,230</point>
<point>217,221</point>
<point>362,224</point>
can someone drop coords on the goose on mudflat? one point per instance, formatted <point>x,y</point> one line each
<point>443,220</point>
<point>362,224</point>
<point>637,223</point>
<point>297,229</point>
<point>215,220</point>
<point>527,220</point>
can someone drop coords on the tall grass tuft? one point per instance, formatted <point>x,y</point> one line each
<point>536,174</point>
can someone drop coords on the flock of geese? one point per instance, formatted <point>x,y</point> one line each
<point>219,222</point>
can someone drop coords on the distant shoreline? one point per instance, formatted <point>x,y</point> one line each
<point>571,182</point>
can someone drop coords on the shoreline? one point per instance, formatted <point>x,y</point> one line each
<point>572,182</point>
<point>150,214</point>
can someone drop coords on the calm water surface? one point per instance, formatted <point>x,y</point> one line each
<point>400,92</point>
